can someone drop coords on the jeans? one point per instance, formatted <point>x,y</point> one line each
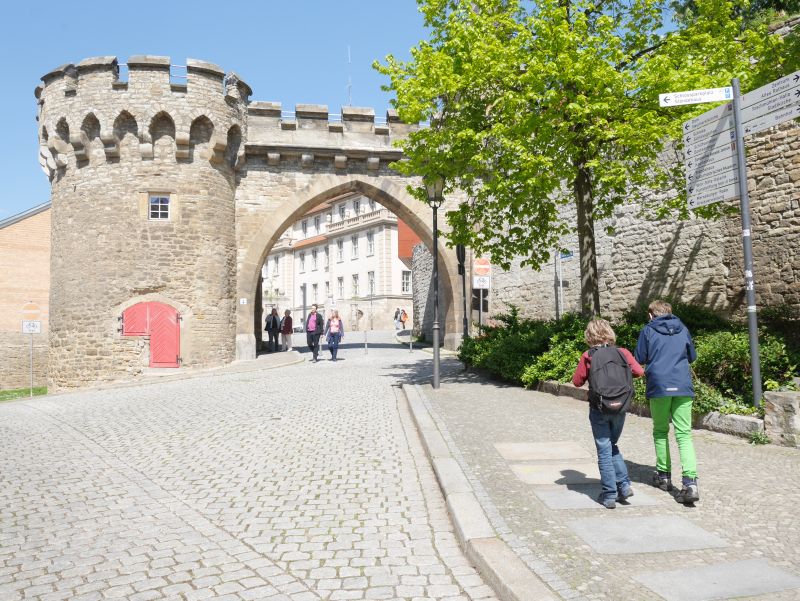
<point>333,345</point>
<point>679,408</point>
<point>313,344</point>
<point>606,429</point>
<point>272,346</point>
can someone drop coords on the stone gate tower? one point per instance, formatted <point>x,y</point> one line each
<point>143,177</point>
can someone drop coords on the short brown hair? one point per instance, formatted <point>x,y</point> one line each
<point>599,331</point>
<point>660,307</point>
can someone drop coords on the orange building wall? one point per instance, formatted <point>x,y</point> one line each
<point>406,241</point>
<point>24,277</point>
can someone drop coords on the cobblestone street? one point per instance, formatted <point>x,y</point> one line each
<point>302,482</point>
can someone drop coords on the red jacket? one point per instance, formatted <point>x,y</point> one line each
<point>582,371</point>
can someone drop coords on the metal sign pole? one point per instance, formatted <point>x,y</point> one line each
<point>747,243</point>
<point>31,335</point>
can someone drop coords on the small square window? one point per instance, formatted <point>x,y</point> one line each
<point>159,207</point>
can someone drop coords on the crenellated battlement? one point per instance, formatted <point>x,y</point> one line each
<point>87,107</point>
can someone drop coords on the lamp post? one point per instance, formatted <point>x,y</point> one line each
<point>461,255</point>
<point>434,187</point>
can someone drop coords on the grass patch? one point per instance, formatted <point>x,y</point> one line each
<point>18,393</point>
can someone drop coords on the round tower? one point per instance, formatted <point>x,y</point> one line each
<point>143,177</point>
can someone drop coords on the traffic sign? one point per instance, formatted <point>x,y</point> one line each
<point>771,89</point>
<point>771,120</point>
<point>708,182</point>
<point>705,170</point>
<point>481,282</point>
<point>713,128</point>
<point>712,116</point>
<point>31,311</point>
<point>773,103</point>
<point>695,96</point>
<point>701,199</point>
<point>30,326</point>
<point>706,145</point>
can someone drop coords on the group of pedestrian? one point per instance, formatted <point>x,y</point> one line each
<point>276,325</point>
<point>400,319</point>
<point>666,349</point>
<point>333,330</point>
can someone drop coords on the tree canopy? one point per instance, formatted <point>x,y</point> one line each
<point>536,106</point>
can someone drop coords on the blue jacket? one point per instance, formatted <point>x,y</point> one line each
<point>666,347</point>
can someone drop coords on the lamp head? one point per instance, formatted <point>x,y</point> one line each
<point>434,186</point>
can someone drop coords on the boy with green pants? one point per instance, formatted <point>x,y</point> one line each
<point>666,347</point>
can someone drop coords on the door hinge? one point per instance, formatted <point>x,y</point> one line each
<point>178,360</point>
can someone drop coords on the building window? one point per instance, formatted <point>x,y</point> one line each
<point>275,267</point>
<point>370,244</point>
<point>371,283</point>
<point>304,227</point>
<point>371,205</point>
<point>354,245</point>
<point>327,257</point>
<point>277,293</point>
<point>314,288</point>
<point>342,211</point>
<point>340,250</point>
<point>316,224</point>
<point>314,259</point>
<point>159,207</point>
<point>327,289</point>
<point>302,261</point>
<point>340,287</point>
<point>356,207</point>
<point>355,284</point>
<point>406,282</point>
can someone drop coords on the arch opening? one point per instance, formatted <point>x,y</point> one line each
<point>324,198</point>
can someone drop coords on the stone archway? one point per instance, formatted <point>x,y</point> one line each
<point>389,193</point>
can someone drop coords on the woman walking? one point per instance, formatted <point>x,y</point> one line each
<point>286,330</point>
<point>334,332</point>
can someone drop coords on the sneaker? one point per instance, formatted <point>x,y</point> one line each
<point>690,493</point>
<point>662,480</point>
<point>607,502</point>
<point>624,492</point>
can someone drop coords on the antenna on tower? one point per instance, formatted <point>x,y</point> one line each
<point>349,78</point>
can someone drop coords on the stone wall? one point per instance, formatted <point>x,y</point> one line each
<point>24,278</point>
<point>696,260</point>
<point>107,145</point>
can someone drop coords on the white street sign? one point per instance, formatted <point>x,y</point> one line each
<point>706,170</point>
<point>481,282</point>
<point>706,145</point>
<point>699,160</point>
<point>701,199</point>
<point>771,120</point>
<point>776,87</point>
<point>31,326</point>
<point>709,117</point>
<point>714,128</point>
<point>695,96</point>
<point>773,103</point>
<point>707,182</point>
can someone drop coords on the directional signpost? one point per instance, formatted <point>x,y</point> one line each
<point>31,325</point>
<point>715,164</point>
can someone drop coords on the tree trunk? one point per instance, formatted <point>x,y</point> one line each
<point>584,203</point>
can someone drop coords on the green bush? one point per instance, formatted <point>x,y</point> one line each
<point>557,363</point>
<point>723,361</point>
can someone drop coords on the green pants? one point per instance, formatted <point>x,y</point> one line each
<point>679,408</point>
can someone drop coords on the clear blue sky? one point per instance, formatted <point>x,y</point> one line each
<point>291,52</point>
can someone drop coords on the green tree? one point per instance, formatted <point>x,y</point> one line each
<point>536,106</point>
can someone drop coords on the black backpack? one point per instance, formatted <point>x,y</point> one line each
<point>610,380</point>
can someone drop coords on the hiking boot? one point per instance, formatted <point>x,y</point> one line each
<point>689,493</point>
<point>607,502</point>
<point>624,492</point>
<point>662,480</point>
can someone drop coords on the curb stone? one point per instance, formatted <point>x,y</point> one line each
<point>495,561</point>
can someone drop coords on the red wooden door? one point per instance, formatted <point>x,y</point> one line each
<point>165,336</point>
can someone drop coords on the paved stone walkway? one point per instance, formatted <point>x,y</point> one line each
<point>530,458</point>
<point>304,482</point>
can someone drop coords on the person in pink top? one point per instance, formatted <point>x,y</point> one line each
<point>607,423</point>
<point>314,331</point>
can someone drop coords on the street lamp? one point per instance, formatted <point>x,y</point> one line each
<point>434,186</point>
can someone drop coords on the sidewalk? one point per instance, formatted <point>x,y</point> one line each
<point>530,459</point>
